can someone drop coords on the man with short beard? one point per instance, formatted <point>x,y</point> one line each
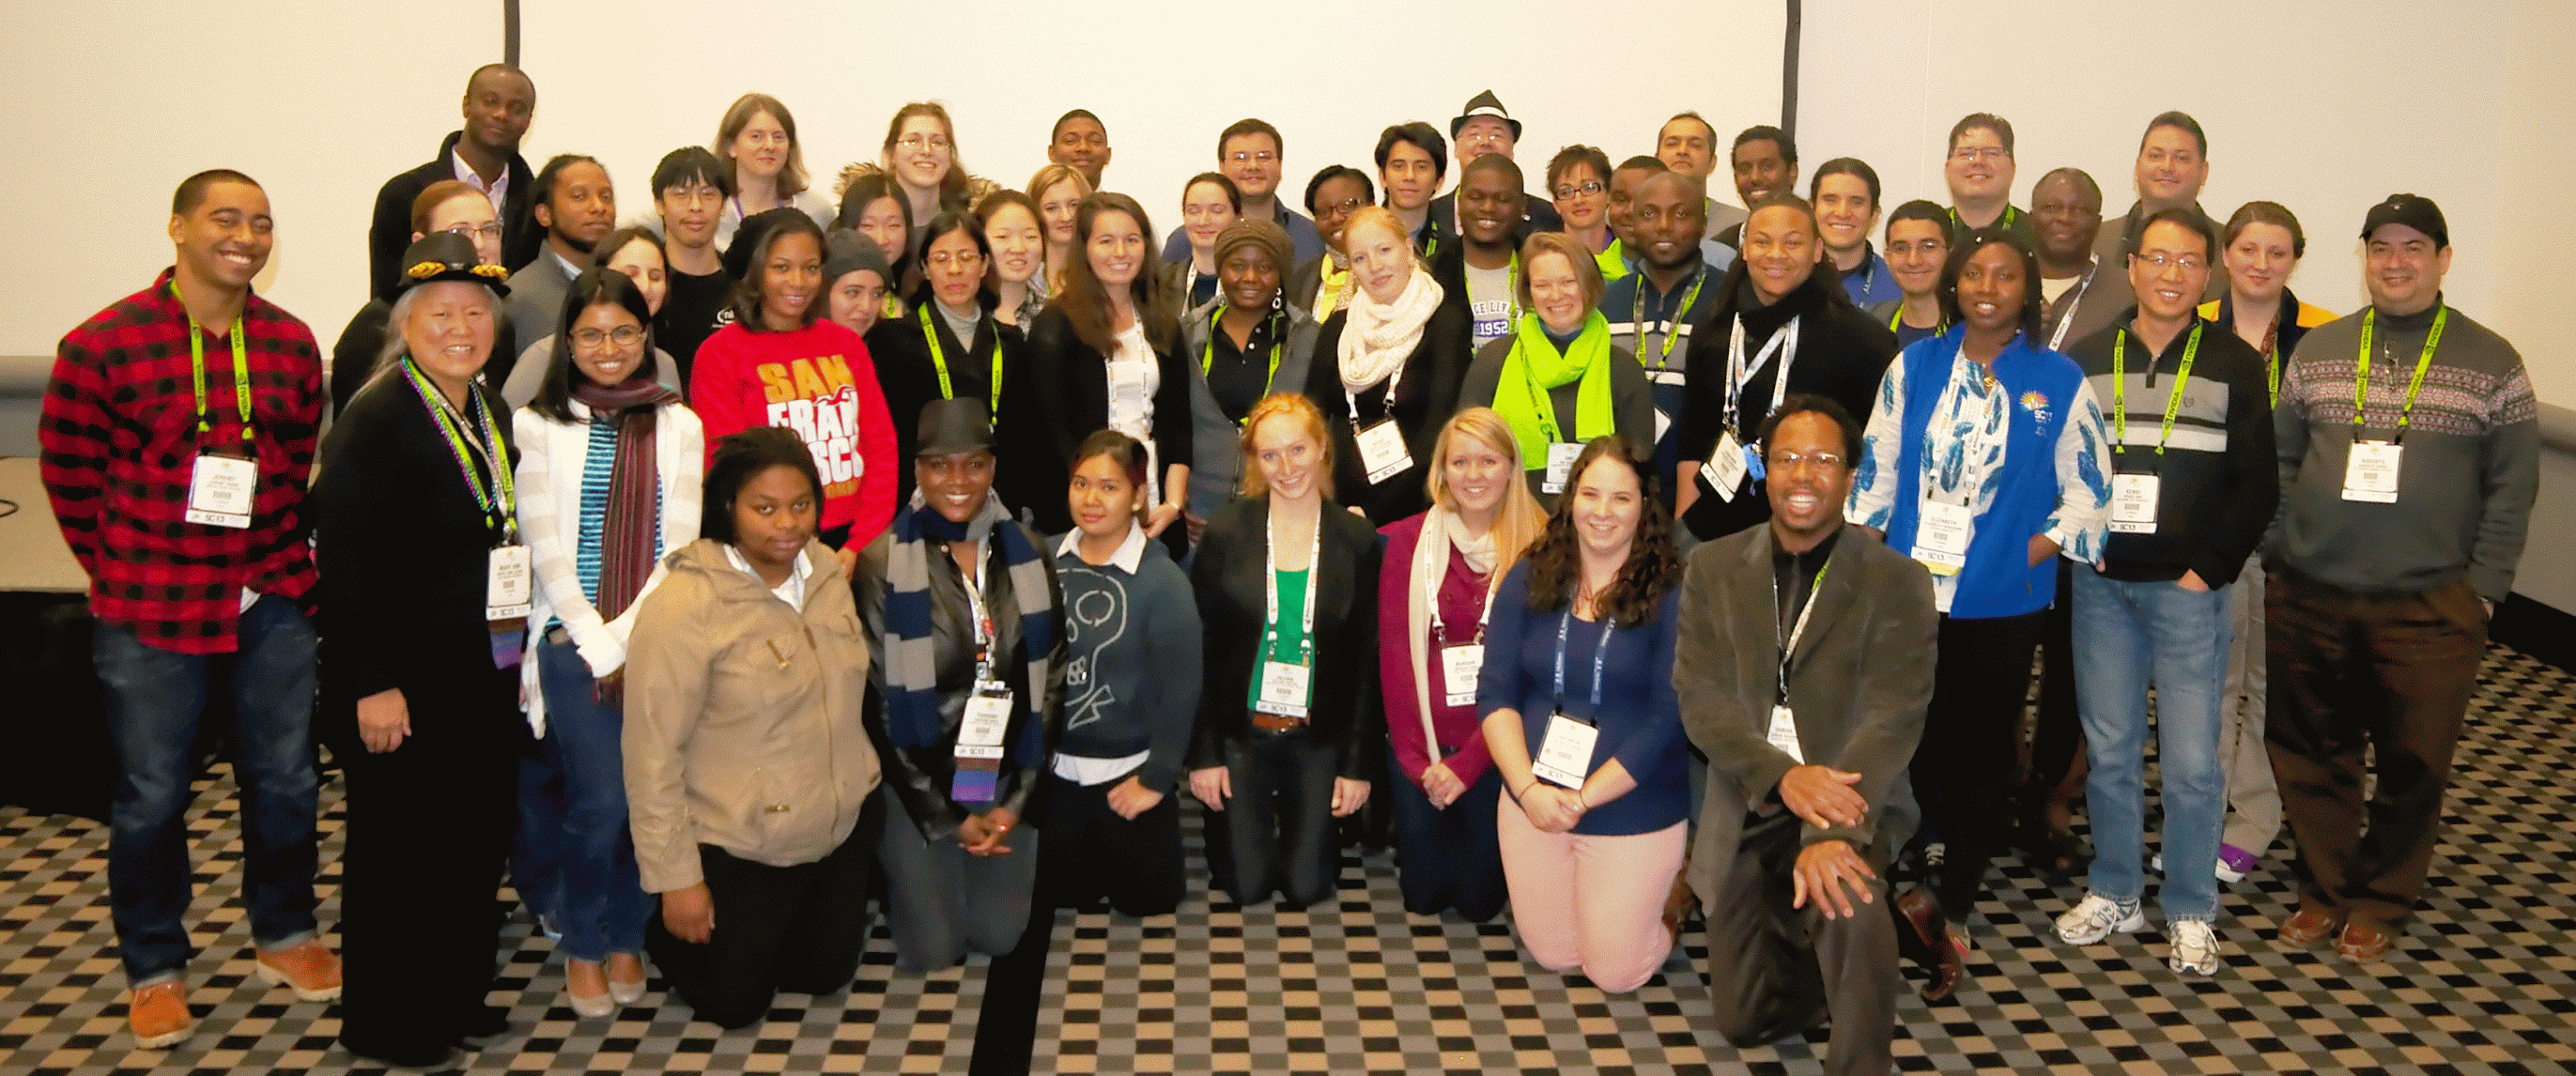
<point>576,206</point>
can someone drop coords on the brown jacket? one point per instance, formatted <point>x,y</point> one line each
<point>742,717</point>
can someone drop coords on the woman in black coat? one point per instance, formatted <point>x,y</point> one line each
<point>1105,355</point>
<point>1396,351</point>
<point>1289,722</point>
<point>923,357</point>
<point>419,665</point>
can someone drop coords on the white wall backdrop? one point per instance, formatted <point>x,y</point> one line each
<point>2325,106</point>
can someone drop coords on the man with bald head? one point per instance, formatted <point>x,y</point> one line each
<point>1688,144</point>
<point>1651,311</point>
<point>2085,290</point>
<point>499,103</point>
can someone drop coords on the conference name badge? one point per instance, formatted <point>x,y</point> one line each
<point>1941,536</point>
<point>1560,466</point>
<point>2133,503</point>
<point>1284,687</point>
<point>1382,451</point>
<point>1783,734</point>
<point>1725,468</point>
<point>988,719</point>
<point>220,490</point>
<point>1565,756</point>
<point>1459,667</point>
<point>507,583</point>
<point>2371,472</point>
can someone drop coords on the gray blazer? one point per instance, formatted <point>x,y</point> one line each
<point>1219,452</point>
<point>1859,683</point>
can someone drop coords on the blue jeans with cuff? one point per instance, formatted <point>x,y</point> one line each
<point>155,700</point>
<point>2129,636</point>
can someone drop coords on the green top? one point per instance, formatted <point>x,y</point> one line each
<point>1285,638</point>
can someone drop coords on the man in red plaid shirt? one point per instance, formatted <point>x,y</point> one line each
<point>178,433</point>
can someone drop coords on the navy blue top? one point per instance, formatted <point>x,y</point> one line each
<point>1639,718</point>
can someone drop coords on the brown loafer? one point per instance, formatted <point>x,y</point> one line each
<point>2364,943</point>
<point>2310,926</point>
<point>1932,944</point>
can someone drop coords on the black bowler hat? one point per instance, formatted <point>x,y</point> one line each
<point>951,426</point>
<point>449,256</point>
<point>1485,104</point>
<point>2412,210</point>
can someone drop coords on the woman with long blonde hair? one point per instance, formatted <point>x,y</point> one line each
<point>1435,592</point>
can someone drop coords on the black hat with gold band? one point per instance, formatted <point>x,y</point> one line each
<point>449,256</point>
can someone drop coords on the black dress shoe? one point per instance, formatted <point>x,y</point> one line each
<point>430,1057</point>
<point>482,1024</point>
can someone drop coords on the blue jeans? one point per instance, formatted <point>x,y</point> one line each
<point>155,699</point>
<point>599,896</point>
<point>2128,636</point>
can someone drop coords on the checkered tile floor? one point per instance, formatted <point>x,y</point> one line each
<point>2480,986</point>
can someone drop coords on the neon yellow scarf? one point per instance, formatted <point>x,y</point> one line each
<point>1535,366</point>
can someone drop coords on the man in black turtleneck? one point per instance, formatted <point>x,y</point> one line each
<point>1775,312</point>
<point>1651,311</point>
<point>1804,666</point>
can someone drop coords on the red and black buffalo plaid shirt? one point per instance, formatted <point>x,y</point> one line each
<point>120,442</point>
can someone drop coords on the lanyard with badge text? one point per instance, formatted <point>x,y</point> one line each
<point>223,484</point>
<point>2133,495</point>
<point>2057,340</point>
<point>1728,464</point>
<point>1783,732</point>
<point>1383,453</point>
<point>977,776</point>
<point>1565,756</point>
<point>507,580</point>
<point>1207,355</point>
<point>1672,326</point>
<point>939,360</point>
<point>1561,453</point>
<point>1287,688</point>
<point>2372,471</point>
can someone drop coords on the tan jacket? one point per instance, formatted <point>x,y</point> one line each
<point>742,717</point>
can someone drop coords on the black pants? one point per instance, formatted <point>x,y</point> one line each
<point>1449,858</point>
<point>1276,832</point>
<point>799,929</point>
<point>428,832</point>
<point>1979,688</point>
<point>2057,735</point>
<point>1090,852</point>
<point>1774,969</point>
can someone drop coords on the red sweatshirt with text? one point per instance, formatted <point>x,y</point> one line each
<point>818,382</point>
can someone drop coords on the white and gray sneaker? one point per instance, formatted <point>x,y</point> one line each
<point>2096,917</point>
<point>2195,947</point>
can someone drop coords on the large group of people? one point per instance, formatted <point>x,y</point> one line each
<point>1615,555</point>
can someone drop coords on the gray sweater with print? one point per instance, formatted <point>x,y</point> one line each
<point>2469,470</point>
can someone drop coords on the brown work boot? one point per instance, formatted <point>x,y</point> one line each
<point>307,967</point>
<point>159,1014</point>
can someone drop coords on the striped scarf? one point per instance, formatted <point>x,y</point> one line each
<point>911,664</point>
<point>630,534</point>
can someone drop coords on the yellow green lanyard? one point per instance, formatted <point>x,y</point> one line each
<point>939,358</point>
<point>1637,316</point>
<point>1899,316</point>
<point>1207,355</point>
<point>197,369</point>
<point>2120,388</point>
<point>2361,375</point>
<point>500,504</point>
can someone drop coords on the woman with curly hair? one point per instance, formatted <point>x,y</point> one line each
<point>1582,723</point>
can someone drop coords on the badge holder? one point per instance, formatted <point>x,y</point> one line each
<point>1382,451</point>
<point>1459,667</point>
<point>1560,467</point>
<point>979,743</point>
<point>2133,502</point>
<point>1565,756</point>
<point>221,490</point>
<point>1726,467</point>
<point>1941,535</point>
<point>507,584</point>
<point>2370,474</point>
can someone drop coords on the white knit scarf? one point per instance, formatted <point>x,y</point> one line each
<point>1380,336</point>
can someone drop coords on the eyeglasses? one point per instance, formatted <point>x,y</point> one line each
<point>1589,186</point>
<point>1345,206</point>
<point>943,260</point>
<point>2162,260</point>
<point>917,143</point>
<point>592,339</point>
<point>1975,153</point>
<point>1242,157</point>
<point>1791,461</point>
<point>486,230</point>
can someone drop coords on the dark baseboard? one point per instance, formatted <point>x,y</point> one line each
<point>2545,633</point>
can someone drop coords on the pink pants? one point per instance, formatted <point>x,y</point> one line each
<point>1592,901</point>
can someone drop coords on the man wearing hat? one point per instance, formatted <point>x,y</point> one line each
<point>1481,128</point>
<point>2409,449</point>
<point>178,432</point>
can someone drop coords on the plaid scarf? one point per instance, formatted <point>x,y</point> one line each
<point>911,664</point>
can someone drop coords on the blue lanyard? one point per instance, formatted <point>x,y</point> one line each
<point>1599,652</point>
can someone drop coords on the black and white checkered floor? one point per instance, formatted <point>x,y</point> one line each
<point>2481,985</point>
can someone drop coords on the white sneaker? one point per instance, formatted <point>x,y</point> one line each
<point>2096,917</point>
<point>2195,947</point>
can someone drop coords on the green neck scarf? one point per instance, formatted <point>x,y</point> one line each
<point>1535,366</point>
